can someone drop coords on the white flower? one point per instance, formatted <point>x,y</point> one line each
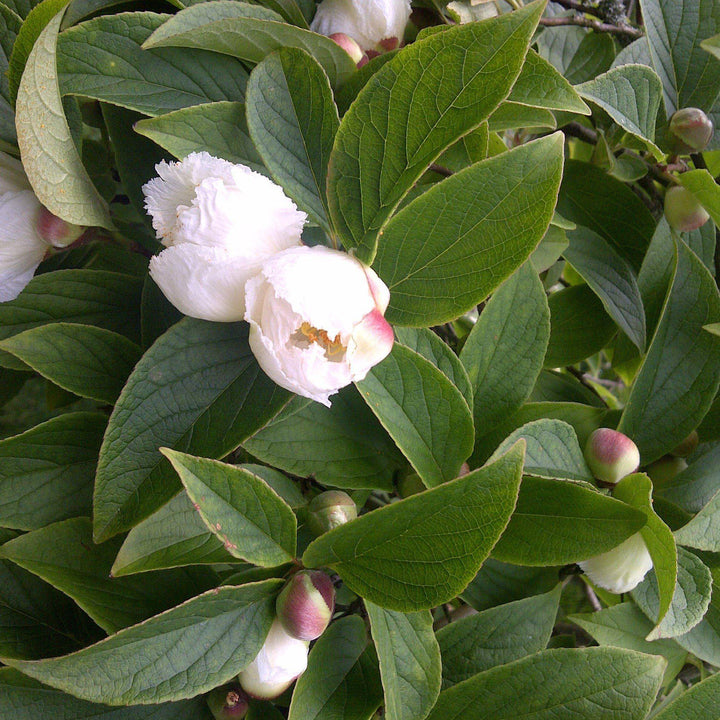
<point>366,21</point>
<point>621,569</point>
<point>219,222</point>
<point>316,320</point>
<point>27,229</point>
<point>281,660</point>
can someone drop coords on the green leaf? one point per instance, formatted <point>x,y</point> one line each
<point>511,116</point>
<point>694,487</point>
<point>36,620</point>
<point>597,683</point>
<point>422,551</point>
<point>504,351</point>
<point>712,45</point>
<point>497,636</point>
<point>557,522</point>
<point>426,343</point>
<point>103,59</point>
<point>552,450</point>
<point>22,698</point>
<point>63,554</point>
<point>690,600</point>
<point>703,186</point>
<point>592,198</point>
<point>88,361</point>
<point>90,297</point>
<point>675,29</point>
<point>636,491</point>
<point>703,531</point>
<point>579,326</point>
<point>611,279</point>
<point>219,128</point>
<point>476,228</point>
<point>342,446</point>
<point>10,24</point>
<point>230,399</point>
<point>423,412</point>
<point>594,55</point>
<point>698,701</point>
<point>47,473</point>
<point>631,95</point>
<point>625,626</point>
<point>250,33</point>
<point>680,375</point>
<point>410,664</point>
<point>402,120</point>
<point>48,151</point>
<point>541,85</point>
<point>554,386</point>
<point>172,537</point>
<point>341,680</point>
<point>173,656</point>
<point>252,520</point>
<point>293,120</point>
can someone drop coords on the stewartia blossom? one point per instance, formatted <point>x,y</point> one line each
<point>368,22</point>
<point>621,569</point>
<point>316,320</point>
<point>27,229</point>
<point>219,222</point>
<point>281,659</point>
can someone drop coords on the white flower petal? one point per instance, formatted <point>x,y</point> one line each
<point>365,21</point>
<point>12,175</point>
<point>621,569</point>
<point>21,248</point>
<point>203,283</point>
<point>281,660</point>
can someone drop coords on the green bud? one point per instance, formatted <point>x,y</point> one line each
<point>663,471</point>
<point>228,702</point>
<point>410,484</point>
<point>611,455</point>
<point>329,510</point>
<point>305,605</point>
<point>691,130</point>
<point>687,446</point>
<point>683,211</point>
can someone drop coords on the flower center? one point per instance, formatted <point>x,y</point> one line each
<point>307,334</point>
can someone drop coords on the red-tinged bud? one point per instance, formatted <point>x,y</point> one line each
<point>306,604</point>
<point>329,510</point>
<point>611,455</point>
<point>687,446</point>
<point>663,471</point>
<point>683,211</point>
<point>350,47</point>
<point>228,702</point>
<point>56,231</point>
<point>691,130</point>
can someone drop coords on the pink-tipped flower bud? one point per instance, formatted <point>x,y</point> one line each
<point>280,661</point>
<point>329,510</point>
<point>683,211</point>
<point>663,471</point>
<point>306,604</point>
<point>691,130</point>
<point>611,455</point>
<point>350,47</point>
<point>56,231</point>
<point>228,702</point>
<point>687,446</point>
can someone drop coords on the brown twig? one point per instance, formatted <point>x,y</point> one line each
<point>595,25</point>
<point>586,134</point>
<point>574,5</point>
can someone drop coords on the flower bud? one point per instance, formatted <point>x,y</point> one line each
<point>329,510</point>
<point>228,702</point>
<point>55,230</point>
<point>280,661</point>
<point>687,446</point>
<point>410,484</point>
<point>663,471</point>
<point>306,604</point>
<point>683,211</point>
<point>350,47</point>
<point>621,569</point>
<point>611,455</point>
<point>691,130</point>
